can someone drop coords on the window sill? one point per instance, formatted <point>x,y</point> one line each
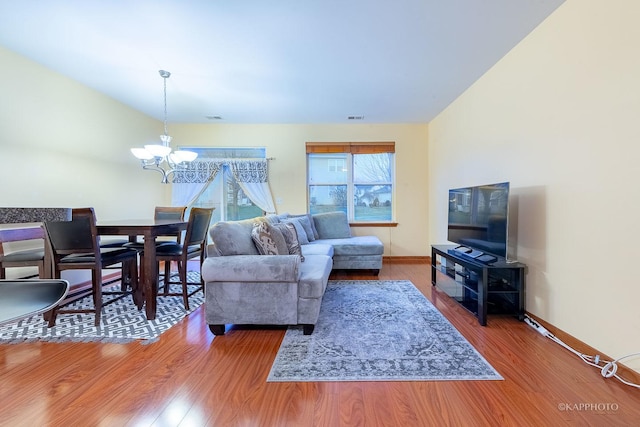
<point>373,224</point>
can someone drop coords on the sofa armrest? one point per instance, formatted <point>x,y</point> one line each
<point>212,250</point>
<point>251,268</point>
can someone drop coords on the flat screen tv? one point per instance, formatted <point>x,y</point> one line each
<point>478,218</point>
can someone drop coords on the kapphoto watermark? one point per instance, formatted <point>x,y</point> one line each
<point>588,406</point>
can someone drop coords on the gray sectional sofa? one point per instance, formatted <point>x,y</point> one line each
<point>273,270</point>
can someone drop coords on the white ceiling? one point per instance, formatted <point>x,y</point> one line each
<point>277,61</point>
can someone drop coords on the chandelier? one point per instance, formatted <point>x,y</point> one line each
<point>160,157</point>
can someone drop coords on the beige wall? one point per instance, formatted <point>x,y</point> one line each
<point>287,173</point>
<point>557,117</point>
<point>63,144</point>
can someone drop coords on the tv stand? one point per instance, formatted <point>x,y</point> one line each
<point>482,287</point>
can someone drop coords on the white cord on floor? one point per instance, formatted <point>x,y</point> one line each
<point>608,368</point>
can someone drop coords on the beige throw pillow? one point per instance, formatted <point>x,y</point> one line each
<point>297,223</point>
<point>263,239</point>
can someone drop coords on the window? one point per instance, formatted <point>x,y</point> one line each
<point>356,178</point>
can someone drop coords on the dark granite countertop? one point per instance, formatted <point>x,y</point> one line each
<point>29,215</point>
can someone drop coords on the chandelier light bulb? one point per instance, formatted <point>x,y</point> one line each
<point>142,153</point>
<point>180,156</point>
<point>158,150</point>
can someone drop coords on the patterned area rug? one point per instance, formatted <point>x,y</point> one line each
<point>121,322</point>
<point>378,331</point>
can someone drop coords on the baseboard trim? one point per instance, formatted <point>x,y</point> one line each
<point>407,259</point>
<point>625,372</point>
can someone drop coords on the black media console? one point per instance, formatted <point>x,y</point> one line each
<point>490,287</point>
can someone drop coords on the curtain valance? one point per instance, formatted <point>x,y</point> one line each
<point>202,171</point>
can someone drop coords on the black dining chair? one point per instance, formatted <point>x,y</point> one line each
<point>174,213</point>
<point>193,245</point>
<point>75,245</point>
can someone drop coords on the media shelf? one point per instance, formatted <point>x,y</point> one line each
<point>495,288</point>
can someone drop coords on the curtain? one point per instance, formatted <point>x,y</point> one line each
<point>252,176</point>
<point>189,183</point>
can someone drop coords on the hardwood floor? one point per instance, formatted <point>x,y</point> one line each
<point>188,378</point>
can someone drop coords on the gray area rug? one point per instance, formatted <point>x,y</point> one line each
<point>121,322</point>
<point>378,331</point>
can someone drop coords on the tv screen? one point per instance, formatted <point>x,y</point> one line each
<point>478,217</point>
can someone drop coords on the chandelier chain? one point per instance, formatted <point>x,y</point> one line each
<point>165,104</point>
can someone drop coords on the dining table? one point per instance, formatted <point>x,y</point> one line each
<point>149,229</point>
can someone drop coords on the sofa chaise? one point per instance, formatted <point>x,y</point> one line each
<point>273,270</point>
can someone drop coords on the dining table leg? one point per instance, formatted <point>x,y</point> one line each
<point>138,291</point>
<point>150,275</point>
